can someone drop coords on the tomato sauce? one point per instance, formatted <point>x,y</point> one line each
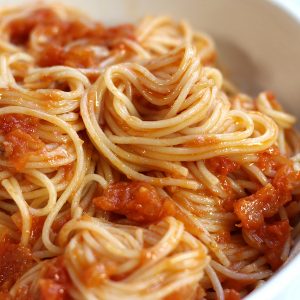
<point>227,203</point>
<point>54,34</point>
<point>238,285</point>
<point>18,147</point>
<point>184,293</point>
<point>270,239</point>
<point>37,223</point>
<point>223,237</point>
<point>10,122</point>
<point>55,281</point>
<point>221,165</point>
<point>22,293</point>
<point>60,221</point>
<point>252,210</point>
<point>97,273</point>
<point>68,171</point>
<point>271,160</point>
<point>21,28</point>
<point>230,294</point>
<point>20,138</point>
<point>15,260</point>
<point>138,201</point>
<point>4,296</point>
<point>257,212</point>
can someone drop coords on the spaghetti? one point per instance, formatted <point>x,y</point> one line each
<point>131,169</point>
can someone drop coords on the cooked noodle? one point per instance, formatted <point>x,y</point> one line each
<point>131,169</point>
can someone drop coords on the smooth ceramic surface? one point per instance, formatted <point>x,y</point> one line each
<point>259,47</point>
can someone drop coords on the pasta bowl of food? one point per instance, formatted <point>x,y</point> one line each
<point>148,150</point>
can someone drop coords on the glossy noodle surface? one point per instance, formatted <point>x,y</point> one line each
<point>131,168</point>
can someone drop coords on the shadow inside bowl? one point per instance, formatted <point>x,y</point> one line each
<point>239,67</point>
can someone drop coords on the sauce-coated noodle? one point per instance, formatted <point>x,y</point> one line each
<point>131,169</point>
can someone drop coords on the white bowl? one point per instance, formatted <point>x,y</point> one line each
<point>258,44</point>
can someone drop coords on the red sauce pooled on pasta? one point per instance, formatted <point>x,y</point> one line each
<point>54,33</point>
<point>97,273</point>
<point>80,45</point>
<point>221,165</point>
<point>60,221</point>
<point>20,29</point>
<point>230,294</point>
<point>271,160</point>
<point>15,260</point>
<point>138,201</point>
<point>22,293</point>
<point>257,210</point>
<point>37,223</point>
<point>270,239</point>
<point>223,237</point>
<point>55,281</point>
<point>11,122</point>
<point>20,138</point>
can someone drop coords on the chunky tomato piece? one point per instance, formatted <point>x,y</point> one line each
<point>256,210</point>
<point>221,165</point>
<point>252,210</point>
<point>19,145</point>
<point>20,29</point>
<point>84,54</point>
<point>269,239</point>
<point>270,160</point>
<point>138,201</point>
<point>20,138</point>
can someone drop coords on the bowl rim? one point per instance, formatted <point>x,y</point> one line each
<point>281,280</point>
